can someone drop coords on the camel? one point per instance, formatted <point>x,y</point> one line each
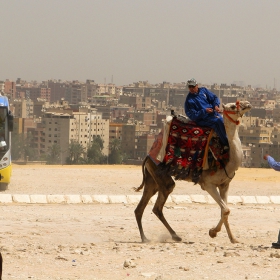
<point>165,184</point>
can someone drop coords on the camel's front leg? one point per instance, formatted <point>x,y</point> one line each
<point>224,196</point>
<point>221,199</point>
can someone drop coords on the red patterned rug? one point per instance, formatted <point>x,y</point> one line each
<point>188,148</point>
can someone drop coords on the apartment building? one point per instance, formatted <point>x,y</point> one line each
<point>255,135</point>
<point>38,138</point>
<point>89,90</point>
<point>23,108</point>
<point>59,129</point>
<point>128,139</point>
<point>97,125</point>
<point>144,143</point>
<point>10,89</point>
<point>73,92</point>
<point>137,102</point>
<point>144,117</point>
<point>89,125</point>
<point>57,90</point>
<point>2,87</point>
<point>115,132</point>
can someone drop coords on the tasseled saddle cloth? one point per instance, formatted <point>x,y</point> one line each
<point>188,148</point>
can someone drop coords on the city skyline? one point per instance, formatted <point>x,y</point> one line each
<point>124,41</point>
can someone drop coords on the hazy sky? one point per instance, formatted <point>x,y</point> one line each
<point>214,41</point>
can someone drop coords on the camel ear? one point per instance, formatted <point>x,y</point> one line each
<point>224,105</point>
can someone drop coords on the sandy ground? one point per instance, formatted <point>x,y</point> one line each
<point>120,179</point>
<point>94,241</point>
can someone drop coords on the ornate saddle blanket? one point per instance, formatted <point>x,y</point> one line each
<point>189,148</point>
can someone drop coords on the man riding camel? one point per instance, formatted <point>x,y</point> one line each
<point>202,107</point>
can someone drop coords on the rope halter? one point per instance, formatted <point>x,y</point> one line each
<point>227,113</point>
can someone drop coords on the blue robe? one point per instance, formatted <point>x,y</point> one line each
<point>195,109</point>
<point>273,163</point>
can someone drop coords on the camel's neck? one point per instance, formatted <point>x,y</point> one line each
<point>235,148</point>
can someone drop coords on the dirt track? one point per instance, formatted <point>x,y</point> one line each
<point>120,179</point>
<point>93,241</point>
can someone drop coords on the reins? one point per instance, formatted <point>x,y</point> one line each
<point>227,113</point>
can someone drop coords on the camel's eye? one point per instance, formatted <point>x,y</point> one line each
<point>233,107</point>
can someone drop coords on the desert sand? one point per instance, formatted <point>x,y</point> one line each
<point>98,241</point>
<point>120,179</point>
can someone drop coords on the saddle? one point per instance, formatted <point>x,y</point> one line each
<point>183,149</point>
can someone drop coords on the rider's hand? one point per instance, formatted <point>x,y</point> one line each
<point>265,156</point>
<point>209,110</point>
<point>217,109</point>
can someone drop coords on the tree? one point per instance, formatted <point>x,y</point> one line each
<point>94,152</point>
<point>76,150</point>
<point>17,146</point>
<point>22,147</point>
<point>115,156</point>
<point>53,154</point>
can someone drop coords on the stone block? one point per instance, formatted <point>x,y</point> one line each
<point>73,198</point>
<point>249,199</point>
<point>275,199</point>
<point>133,199</point>
<point>198,198</point>
<point>154,198</point>
<point>100,198</point>
<point>86,198</point>
<point>56,198</point>
<point>181,199</point>
<point>234,199</point>
<point>263,199</point>
<point>6,198</point>
<point>117,199</point>
<point>38,198</point>
<point>21,198</point>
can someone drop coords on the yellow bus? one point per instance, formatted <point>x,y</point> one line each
<point>6,127</point>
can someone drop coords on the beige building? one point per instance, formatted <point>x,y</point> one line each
<point>91,124</point>
<point>59,129</point>
<point>255,135</point>
<point>23,108</point>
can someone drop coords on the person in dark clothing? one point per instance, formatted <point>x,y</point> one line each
<point>276,166</point>
<point>202,107</point>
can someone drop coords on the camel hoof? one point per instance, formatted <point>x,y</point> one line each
<point>145,240</point>
<point>212,233</point>
<point>234,241</point>
<point>176,238</point>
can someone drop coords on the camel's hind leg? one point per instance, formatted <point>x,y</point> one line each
<point>162,197</point>
<point>150,188</point>
<point>221,199</point>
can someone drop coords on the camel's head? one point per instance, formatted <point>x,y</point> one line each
<point>233,111</point>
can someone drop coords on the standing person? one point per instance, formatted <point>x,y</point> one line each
<point>276,166</point>
<point>202,107</point>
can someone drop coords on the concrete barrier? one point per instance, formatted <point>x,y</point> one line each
<point>130,199</point>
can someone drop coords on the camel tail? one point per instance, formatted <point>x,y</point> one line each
<point>143,172</point>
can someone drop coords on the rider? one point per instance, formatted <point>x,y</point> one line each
<point>202,107</point>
